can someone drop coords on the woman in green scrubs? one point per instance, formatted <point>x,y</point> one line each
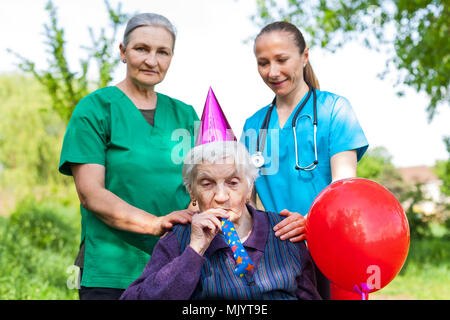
<point>119,147</point>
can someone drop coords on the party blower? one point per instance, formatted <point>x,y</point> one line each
<point>215,127</point>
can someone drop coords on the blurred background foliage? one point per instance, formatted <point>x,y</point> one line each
<point>425,272</point>
<point>39,242</point>
<point>413,33</point>
<point>39,208</point>
<point>30,141</point>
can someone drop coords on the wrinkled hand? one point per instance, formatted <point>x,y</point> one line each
<point>165,223</point>
<point>293,227</point>
<point>204,227</point>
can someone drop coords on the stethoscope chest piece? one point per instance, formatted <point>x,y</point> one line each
<point>258,159</point>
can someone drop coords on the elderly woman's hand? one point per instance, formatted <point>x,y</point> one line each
<point>204,227</point>
<point>293,227</point>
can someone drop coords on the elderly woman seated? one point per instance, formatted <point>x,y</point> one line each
<point>194,261</point>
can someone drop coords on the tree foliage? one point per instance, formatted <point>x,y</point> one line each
<point>376,165</point>
<point>67,87</point>
<point>33,120</point>
<point>30,142</point>
<point>443,170</point>
<point>418,32</point>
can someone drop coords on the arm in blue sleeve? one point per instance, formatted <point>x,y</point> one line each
<point>168,275</point>
<point>345,131</point>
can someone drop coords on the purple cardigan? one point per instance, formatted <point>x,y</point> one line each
<point>284,270</point>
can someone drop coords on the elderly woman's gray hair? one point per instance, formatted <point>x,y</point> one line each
<point>219,152</point>
<point>148,19</point>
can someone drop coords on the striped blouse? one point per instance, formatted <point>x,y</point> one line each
<point>284,270</point>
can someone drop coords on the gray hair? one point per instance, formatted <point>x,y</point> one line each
<point>148,19</point>
<point>219,152</point>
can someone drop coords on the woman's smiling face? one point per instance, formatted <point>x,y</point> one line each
<point>280,64</point>
<point>219,185</point>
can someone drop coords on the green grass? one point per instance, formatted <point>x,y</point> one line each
<point>425,275</point>
<point>38,244</point>
<point>424,282</point>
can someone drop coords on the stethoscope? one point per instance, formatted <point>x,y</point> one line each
<point>258,158</point>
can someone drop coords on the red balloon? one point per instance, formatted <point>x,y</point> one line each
<point>358,234</point>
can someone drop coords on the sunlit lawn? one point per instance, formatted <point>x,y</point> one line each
<point>426,274</point>
<point>428,282</point>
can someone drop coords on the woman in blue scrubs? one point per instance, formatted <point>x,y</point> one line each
<point>297,167</point>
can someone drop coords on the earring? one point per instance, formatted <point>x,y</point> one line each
<point>124,60</point>
<point>194,202</point>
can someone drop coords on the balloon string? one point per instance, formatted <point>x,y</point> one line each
<point>363,289</point>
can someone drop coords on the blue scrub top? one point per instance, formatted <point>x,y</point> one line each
<point>280,186</point>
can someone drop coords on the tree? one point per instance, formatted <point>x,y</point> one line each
<point>377,165</point>
<point>67,87</point>
<point>417,30</point>
<point>443,170</point>
<point>31,134</point>
<point>33,120</point>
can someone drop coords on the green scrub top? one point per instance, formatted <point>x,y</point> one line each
<point>142,166</point>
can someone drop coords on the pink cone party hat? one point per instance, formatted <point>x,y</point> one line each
<point>215,127</point>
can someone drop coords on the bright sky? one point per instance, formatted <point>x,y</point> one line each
<point>210,51</point>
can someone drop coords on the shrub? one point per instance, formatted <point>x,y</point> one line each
<point>38,243</point>
<point>46,225</point>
